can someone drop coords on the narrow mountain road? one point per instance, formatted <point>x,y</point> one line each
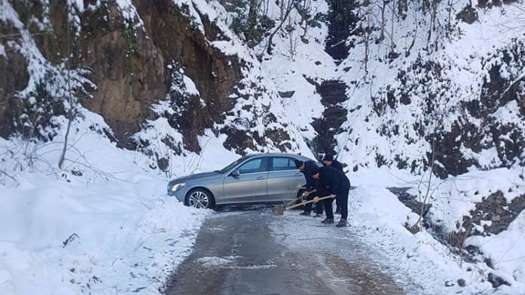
<point>254,252</point>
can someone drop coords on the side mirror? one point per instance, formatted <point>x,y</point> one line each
<point>235,173</point>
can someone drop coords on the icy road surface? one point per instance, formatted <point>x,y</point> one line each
<point>255,252</point>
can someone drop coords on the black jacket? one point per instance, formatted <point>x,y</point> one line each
<point>337,165</point>
<point>332,181</point>
<point>310,168</point>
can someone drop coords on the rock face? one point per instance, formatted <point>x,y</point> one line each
<point>214,74</point>
<point>127,58</point>
<point>14,78</point>
<point>341,19</point>
<point>491,216</point>
<point>333,93</point>
<point>128,69</point>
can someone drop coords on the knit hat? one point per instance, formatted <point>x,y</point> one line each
<point>328,157</point>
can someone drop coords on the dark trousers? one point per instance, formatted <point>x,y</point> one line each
<point>328,208</point>
<point>318,208</point>
<point>341,199</point>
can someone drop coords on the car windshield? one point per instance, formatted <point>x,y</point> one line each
<point>230,166</point>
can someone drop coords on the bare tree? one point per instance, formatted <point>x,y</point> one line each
<point>383,20</point>
<point>392,43</point>
<point>71,112</point>
<point>305,12</point>
<point>449,18</point>
<point>433,15</point>
<point>292,50</point>
<point>367,38</point>
<point>425,198</point>
<point>252,20</point>
<point>286,9</point>
<point>415,33</point>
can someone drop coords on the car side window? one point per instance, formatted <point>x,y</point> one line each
<point>252,166</point>
<point>283,163</point>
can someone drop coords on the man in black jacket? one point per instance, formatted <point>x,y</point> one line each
<point>330,161</point>
<point>333,181</point>
<point>309,168</point>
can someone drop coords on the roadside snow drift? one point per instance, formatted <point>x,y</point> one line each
<point>104,224</point>
<point>106,238</point>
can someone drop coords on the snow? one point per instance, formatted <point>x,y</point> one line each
<point>455,197</point>
<point>506,252</point>
<point>216,261</point>
<point>192,12</point>
<point>129,12</point>
<point>191,89</point>
<point>126,234</point>
<point>380,219</point>
<point>119,228</point>
<point>113,229</point>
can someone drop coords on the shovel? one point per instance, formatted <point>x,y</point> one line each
<point>301,198</point>
<point>279,209</point>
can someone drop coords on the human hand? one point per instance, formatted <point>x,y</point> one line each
<point>316,200</point>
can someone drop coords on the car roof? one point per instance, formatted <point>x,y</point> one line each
<point>277,155</point>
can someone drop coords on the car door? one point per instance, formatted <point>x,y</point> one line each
<point>284,179</point>
<point>248,182</point>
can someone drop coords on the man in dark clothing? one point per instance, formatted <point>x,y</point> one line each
<point>330,161</point>
<point>333,181</point>
<point>309,168</point>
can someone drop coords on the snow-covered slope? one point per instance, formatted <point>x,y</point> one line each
<point>401,90</point>
<point>440,92</point>
<point>101,225</point>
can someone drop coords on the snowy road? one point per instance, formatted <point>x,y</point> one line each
<point>254,252</point>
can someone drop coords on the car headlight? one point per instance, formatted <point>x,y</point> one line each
<point>177,187</point>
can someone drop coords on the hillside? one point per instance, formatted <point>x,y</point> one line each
<point>424,101</point>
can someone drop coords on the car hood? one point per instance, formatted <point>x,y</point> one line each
<point>194,177</point>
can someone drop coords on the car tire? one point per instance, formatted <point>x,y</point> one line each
<point>200,198</point>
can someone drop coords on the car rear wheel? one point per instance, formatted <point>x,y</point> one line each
<point>200,198</point>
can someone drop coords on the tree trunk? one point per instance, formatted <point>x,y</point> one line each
<point>285,16</point>
<point>70,113</point>
<point>252,21</point>
<point>392,43</point>
<point>383,7</point>
<point>367,39</point>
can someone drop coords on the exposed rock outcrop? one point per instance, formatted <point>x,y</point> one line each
<point>333,94</point>
<point>128,59</point>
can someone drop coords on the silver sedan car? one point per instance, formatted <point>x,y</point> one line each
<point>258,178</point>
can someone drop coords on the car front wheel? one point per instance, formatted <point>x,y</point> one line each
<point>200,198</point>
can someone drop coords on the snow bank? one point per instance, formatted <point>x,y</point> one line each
<point>101,225</point>
<point>506,252</point>
<point>380,217</point>
<point>105,237</point>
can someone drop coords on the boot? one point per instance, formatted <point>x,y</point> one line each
<point>318,215</point>
<point>328,221</point>
<point>341,223</point>
<point>305,213</point>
